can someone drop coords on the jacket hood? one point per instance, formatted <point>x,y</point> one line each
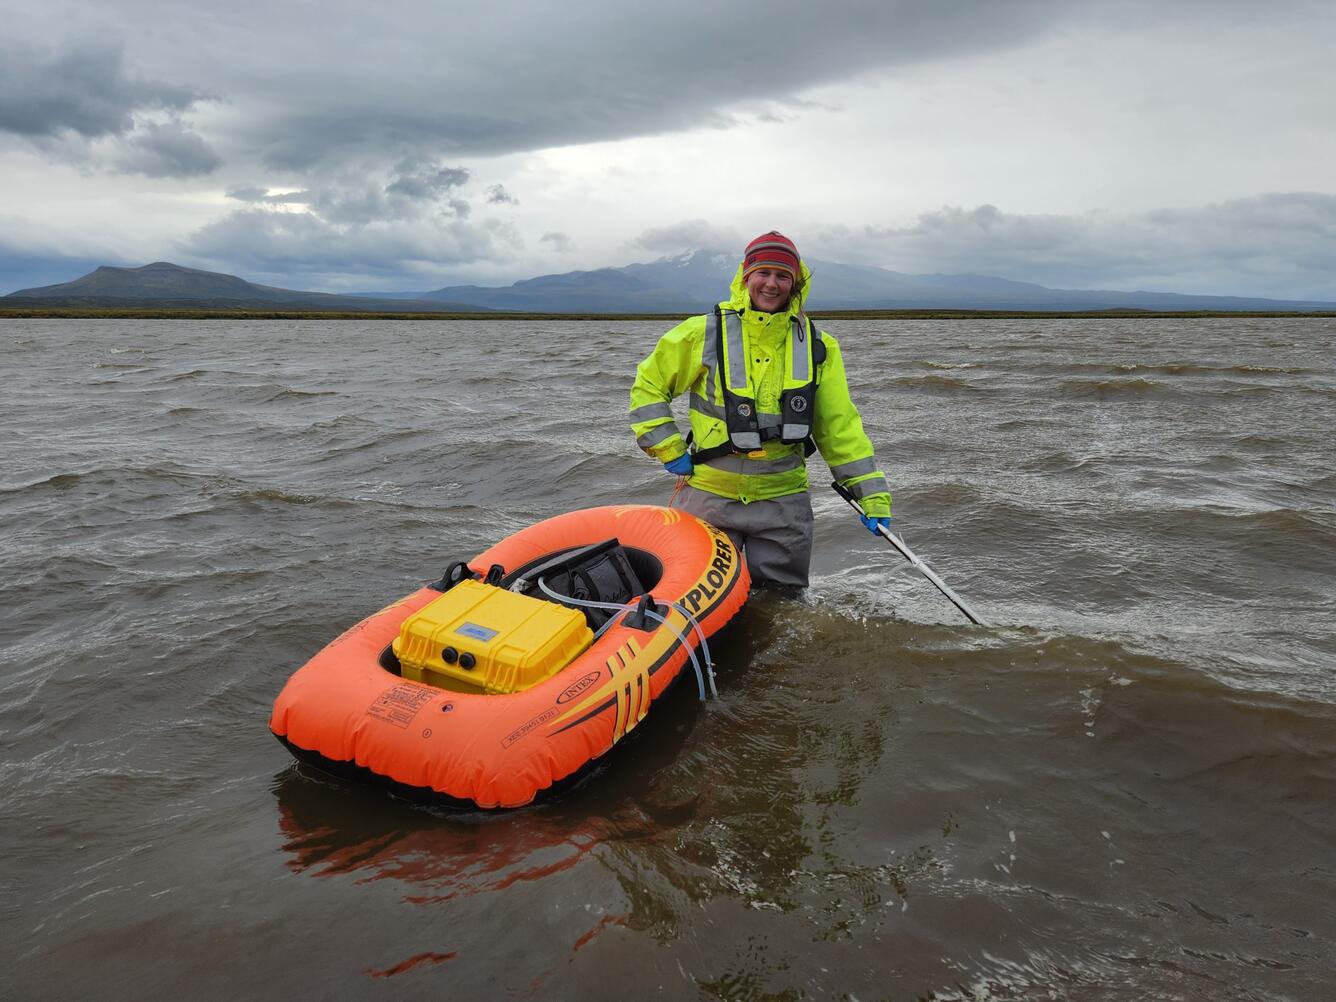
<point>738,298</point>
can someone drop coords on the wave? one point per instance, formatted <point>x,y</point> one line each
<point>945,494</point>
<point>937,383</point>
<point>249,392</point>
<point>199,491</point>
<point>291,393</point>
<point>1183,369</point>
<point>281,496</point>
<point>1261,443</point>
<point>267,393</point>
<point>97,476</point>
<point>1026,423</point>
<point>1137,386</point>
<point>1061,461</point>
<point>923,363</point>
<point>1143,386</point>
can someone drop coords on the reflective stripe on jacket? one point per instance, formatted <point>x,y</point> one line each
<point>684,362</point>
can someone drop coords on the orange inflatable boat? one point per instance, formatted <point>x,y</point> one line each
<point>519,669</point>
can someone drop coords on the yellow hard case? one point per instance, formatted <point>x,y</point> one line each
<point>517,641</point>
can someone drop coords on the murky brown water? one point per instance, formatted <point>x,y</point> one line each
<point>1126,791</point>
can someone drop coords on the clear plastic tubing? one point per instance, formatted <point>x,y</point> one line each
<point>705,646</point>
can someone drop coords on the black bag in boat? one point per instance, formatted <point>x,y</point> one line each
<point>600,572</point>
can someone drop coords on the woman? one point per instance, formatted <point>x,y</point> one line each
<point>766,389</point>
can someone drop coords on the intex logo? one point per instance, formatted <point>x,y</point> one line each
<point>575,688</point>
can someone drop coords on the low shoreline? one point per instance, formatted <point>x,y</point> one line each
<point>115,313</point>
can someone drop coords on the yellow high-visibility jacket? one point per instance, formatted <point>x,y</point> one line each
<point>683,363</point>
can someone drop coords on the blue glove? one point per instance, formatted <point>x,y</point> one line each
<point>874,524</point>
<point>681,466</point>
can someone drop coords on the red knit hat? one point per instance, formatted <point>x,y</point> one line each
<point>771,250</point>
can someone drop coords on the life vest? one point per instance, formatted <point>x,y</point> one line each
<point>747,426</point>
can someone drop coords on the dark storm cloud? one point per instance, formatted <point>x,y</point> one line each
<point>87,89</point>
<point>520,75</point>
<point>349,83</point>
<point>360,194</point>
<point>424,179</point>
<point>1280,244</point>
<point>167,150</point>
<point>497,195</point>
<point>411,218</point>
<point>85,105</point>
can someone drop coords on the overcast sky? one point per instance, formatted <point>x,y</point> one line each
<point>1130,144</point>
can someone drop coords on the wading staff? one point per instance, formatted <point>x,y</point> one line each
<point>909,555</point>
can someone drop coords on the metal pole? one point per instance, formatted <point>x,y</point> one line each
<point>913,558</point>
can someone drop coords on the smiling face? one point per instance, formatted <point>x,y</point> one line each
<point>769,289</point>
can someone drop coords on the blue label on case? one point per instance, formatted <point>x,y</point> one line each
<point>476,632</point>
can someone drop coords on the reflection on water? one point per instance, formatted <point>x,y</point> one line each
<point>436,857</point>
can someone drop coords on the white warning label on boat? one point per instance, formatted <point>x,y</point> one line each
<point>399,705</point>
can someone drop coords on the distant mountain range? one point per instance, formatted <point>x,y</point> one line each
<point>686,283</point>
<point>162,285</point>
